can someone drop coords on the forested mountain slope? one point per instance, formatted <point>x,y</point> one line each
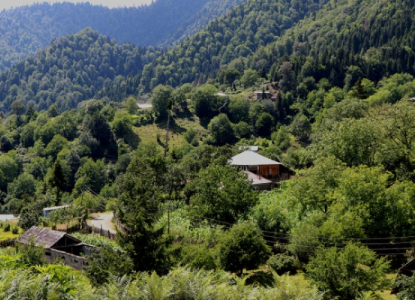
<point>210,11</point>
<point>239,33</point>
<point>376,36</point>
<point>25,30</point>
<point>70,70</point>
<point>329,41</point>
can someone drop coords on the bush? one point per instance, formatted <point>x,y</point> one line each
<point>282,263</point>
<point>264,124</point>
<point>105,262</point>
<point>15,230</point>
<point>190,135</point>
<point>243,248</point>
<point>7,227</point>
<point>346,273</point>
<point>243,130</point>
<point>199,257</point>
<point>406,287</point>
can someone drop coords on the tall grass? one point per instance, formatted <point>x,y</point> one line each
<point>61,282</point>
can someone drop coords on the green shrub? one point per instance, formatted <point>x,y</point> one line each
<point>7,227</point>
<point>347,272</point>
<point>406,287</point>
<point>243,248</point>
<point>15,230</point>
<point>199,257</point>
<point>282,263</point>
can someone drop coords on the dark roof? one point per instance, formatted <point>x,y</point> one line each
<point>407,268</point>
<point>45,237</point>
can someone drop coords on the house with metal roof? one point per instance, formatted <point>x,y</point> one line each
<point>58,246</point>
<point>262,171</point>
<point>48,210</point>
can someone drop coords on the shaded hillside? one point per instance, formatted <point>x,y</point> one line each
<point>370,38</point>
<point>25,30</point>
<point>70,70</point>
<point>240,33</point>
<point>210,11</point>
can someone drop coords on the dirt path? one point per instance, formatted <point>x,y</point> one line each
<point>104,220</point>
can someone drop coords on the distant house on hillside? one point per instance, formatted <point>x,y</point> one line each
<point>258,95</point>
<point>48,210</point>
<point>251,148</point>
<point>221,95</point>
<point>59,245</point>
<point>144,106</point>
<point>263,172</point>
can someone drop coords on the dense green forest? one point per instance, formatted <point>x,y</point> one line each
<point>336,82</point>
<point>25,30</point>
<point>340,40</point>
<point>360,187</point>
<point>70,70</point>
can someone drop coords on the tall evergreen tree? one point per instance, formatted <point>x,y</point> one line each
<point>138,205</point>
<point>58,178</point>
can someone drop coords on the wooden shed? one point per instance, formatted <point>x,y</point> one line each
<point>58,245</point>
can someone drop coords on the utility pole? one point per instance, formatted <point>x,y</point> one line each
<point>82,200</point>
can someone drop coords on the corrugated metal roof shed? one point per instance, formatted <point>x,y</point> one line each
<point>249,158</point>
<point>43,236</point>
<point>55,207</point>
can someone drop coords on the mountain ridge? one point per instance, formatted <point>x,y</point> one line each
<point>27,29</point>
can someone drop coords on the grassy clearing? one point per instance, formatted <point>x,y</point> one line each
<point>386,294</point>
<point>178,126</point>
<point>7,235</point>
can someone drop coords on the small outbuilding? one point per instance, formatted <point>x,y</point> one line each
<point>267,95</point>
<point>48,210</point>
<point>59,245</point>
<point>144,106</point>
<point>221,95</point>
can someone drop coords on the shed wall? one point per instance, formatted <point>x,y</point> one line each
<point>269,172</point>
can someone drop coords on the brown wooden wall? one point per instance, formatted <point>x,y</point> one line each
<point>270,172</point>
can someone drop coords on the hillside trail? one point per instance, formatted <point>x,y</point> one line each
<point>104,220</point>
